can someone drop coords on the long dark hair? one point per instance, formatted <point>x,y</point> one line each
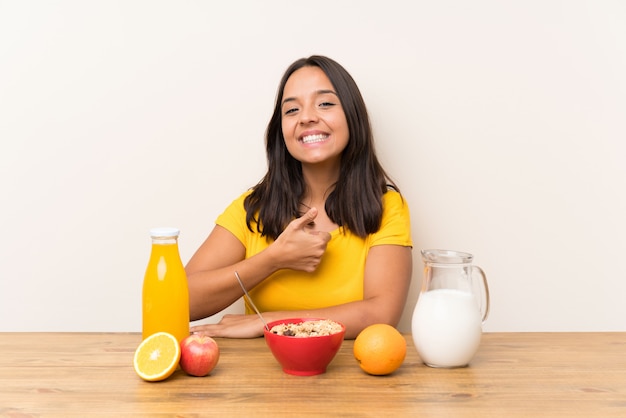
<point>356,201</point>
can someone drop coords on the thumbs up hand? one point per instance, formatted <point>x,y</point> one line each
<point>301,246</point>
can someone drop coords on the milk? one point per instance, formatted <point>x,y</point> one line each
<point>447,327</point>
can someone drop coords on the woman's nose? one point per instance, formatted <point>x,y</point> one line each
<point>308,115</point>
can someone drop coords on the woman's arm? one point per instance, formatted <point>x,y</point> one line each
<point>387,278</point>
<point>210,271</point>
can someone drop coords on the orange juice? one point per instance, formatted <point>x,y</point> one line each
<point>165,290</point>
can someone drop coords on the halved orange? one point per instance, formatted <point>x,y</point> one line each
<point>157,357</point>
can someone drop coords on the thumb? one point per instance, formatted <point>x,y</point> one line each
<point>306,219</point>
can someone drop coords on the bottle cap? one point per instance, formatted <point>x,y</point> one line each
<point>164,232</point>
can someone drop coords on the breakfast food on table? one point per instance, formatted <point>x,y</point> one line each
<point>157,357</point>
<point>379,349</point>
<point>307,328</point>
<point>199,355</point>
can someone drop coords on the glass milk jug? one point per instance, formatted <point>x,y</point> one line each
<point>451,308</point>
<point>165,289</point>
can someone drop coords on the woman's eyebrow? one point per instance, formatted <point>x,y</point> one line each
<point>317,93</point>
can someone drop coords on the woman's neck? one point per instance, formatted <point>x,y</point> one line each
<point>319,184</point>
<point>319,181</point>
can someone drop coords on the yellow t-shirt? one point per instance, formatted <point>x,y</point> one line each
<point>339,277</point>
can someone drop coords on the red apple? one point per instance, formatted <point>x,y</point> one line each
<point>198,354</point>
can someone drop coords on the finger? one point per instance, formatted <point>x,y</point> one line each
<point>305,219</point>
<point>323,234</point>
<point>232,326</point>
<point>208,330</point>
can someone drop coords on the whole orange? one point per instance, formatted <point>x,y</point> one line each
<point>380,349</point>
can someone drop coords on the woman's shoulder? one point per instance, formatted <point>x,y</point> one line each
<point>245,194</point>
<point>392,196</point>
<point>394,204</point>
<point>237,204</point>
<point>241,197</point>
<point>395,228</point>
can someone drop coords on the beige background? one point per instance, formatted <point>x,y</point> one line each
<point>503,122</point>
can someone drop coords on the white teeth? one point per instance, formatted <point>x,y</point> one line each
<point>314,138</point>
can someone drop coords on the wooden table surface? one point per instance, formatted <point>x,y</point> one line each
<point>513,374</point>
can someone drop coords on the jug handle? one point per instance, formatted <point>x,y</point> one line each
<point>486,291</point>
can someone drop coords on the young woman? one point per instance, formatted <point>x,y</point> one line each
<point>324,234</point>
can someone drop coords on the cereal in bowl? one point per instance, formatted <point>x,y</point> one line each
<point>315,328</point>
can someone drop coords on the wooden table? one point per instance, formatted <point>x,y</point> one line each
<point>513,374</point>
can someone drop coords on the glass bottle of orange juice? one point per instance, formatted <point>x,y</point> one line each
<point>165,290</point>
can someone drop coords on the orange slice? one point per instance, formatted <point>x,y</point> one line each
<point>157,357</point>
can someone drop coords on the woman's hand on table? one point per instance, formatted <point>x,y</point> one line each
<point>232,326</point>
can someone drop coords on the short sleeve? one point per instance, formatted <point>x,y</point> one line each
<point>234,219</point>
<point>395,227</point>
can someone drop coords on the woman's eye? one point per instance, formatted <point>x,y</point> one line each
<point>326,104</point>
<point>291,110</point>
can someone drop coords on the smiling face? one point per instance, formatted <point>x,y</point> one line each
<point>314,124</point>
